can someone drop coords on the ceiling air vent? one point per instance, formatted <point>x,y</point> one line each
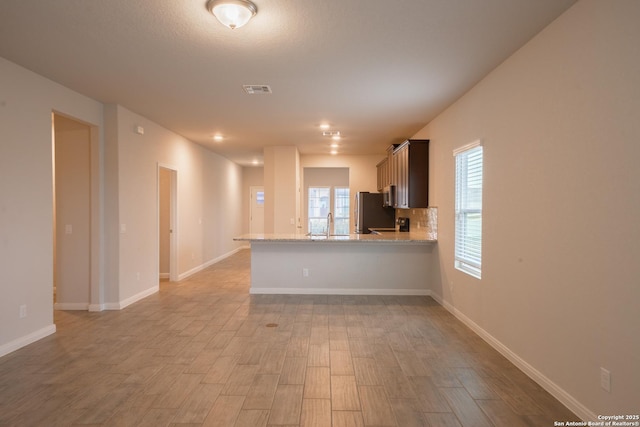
<point>254,89</point>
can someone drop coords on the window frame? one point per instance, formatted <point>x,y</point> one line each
<point>468,208</point>
<point>345,206</point>
<point>310,206</point>
<point>332,207</point>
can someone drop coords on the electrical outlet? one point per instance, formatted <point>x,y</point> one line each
<point>305,272</point>
<point>605,379</point>
<point>23,311</point>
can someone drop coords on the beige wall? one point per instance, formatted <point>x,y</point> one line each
<point>362,169</point>
<point>208,203</point>
<point>281,189</point>
<point>124,197</point>
<point>560,282</point>
<point>26,206</point>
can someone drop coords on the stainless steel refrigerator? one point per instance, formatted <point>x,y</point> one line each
<point>369,212</point>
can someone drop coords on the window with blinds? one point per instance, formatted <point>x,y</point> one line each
<point>319,206</point>
<point>321,202</point>
<point>468,234</point>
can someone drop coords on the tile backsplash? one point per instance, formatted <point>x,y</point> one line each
<point>423,220</point>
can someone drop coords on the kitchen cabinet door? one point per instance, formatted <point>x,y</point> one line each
<point>383,174</point>
<point>411,162</point>
<point>385,170</point>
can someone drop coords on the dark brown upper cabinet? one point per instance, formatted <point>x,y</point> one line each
<point>410,174</point>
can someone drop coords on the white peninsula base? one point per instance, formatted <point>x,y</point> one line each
<point>340,268</point>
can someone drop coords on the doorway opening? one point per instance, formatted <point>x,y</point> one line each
<point>167,223</point>
<point>256,210</point>
<point>72,213</point>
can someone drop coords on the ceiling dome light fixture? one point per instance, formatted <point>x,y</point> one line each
<point>232,13</point>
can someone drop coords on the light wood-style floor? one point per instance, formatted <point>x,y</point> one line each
<point>203,352</point>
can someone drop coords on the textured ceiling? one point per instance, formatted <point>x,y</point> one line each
<point>376,70</point>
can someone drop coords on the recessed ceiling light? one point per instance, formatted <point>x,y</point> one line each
<point>218,137</point>
<point>336,137</point>
<point>334,152</point>
<point>334,145</point>
<point>324,126</point>
<point>255,162</point>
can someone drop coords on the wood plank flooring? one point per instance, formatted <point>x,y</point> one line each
<point>203,352</point>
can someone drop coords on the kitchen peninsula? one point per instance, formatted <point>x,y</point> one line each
<point>390,263</point>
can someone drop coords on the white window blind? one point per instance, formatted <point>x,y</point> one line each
<point>468,235</point>
<point>319,207</point>
<point>341,210</point>
<point>321,202</point>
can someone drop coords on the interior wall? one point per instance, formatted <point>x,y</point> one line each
<point>26,206</point>
<point>559,124</point>
<point>318,176</point>
<point>72,213</point>
<point>362,169</point>
<point>281,189</point>
<point>222,196</point>
<point>208,199</point>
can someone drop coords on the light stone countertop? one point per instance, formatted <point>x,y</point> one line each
<point>384,237</point>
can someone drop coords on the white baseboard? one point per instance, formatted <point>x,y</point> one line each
<point>555,390</point>
<point>124,303</point>
<point>163,276</point>
<point>338,291</point>
<point>16,344</point>
<point>208,264</point>
<point>82,306</point>
<point>135,298</point>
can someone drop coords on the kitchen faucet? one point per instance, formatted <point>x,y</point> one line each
<point>329,220</point>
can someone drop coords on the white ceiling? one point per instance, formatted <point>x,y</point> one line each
<point>376,70</point>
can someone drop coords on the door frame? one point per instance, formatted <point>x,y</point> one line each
<point>173,220</point>
<point>252,189</point>
<point>96,217</point>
